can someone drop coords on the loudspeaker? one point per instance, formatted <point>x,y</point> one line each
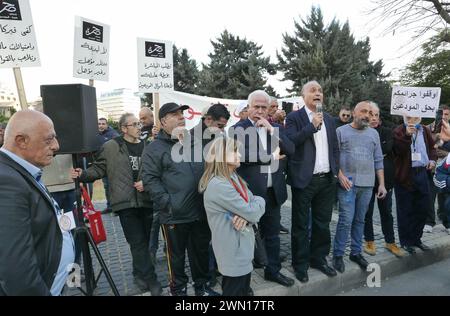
<point>73,109</point>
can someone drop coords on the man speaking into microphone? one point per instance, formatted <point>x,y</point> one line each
<point>312,175</point>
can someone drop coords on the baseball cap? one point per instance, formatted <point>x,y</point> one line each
<point>171,108</point>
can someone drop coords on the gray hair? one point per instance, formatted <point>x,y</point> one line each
<point>123,119</point>
<point>373,104</point>
<point>305,86</point>
<point>258,93</point>
<point>273,99</point>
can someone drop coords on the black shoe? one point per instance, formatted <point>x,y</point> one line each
<point>422,246</point>
<point>302,276</point>
<point>409,249</point>
<point>338,264</point>
<point>205,290</point>
<point>359,260</point>
<point>325,269</point>
<point>182,292</point>
<point>155,288</point>
<point>283,230</point>
<point>279,278</point>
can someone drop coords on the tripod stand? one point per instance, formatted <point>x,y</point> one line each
<point>84,238</point>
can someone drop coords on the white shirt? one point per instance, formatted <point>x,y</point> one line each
<point>262,133</point>
<point>322,163</point>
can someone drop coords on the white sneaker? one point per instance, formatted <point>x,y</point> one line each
<point>428,229</point>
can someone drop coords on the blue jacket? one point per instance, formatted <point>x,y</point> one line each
<point>250,169</point>
<point>108,134</point>
<point>301,132</point>
<point>441,177</point>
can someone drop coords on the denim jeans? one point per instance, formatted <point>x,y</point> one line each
<point>353,206</point>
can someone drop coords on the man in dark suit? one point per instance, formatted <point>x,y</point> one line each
<point>265,146</point>
<point>35,251</point>
<point>312,175</point>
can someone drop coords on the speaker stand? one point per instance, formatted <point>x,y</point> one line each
<point>84,237</point>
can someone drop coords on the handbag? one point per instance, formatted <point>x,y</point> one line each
<point>94,218</point>
<point>260,255</point>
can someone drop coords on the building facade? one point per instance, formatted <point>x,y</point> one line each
<point>117,102</point>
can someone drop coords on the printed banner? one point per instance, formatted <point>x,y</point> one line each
<point>415,101</point>
<point>18,47</point>
<point>155,66</point>
<point>91,50</point>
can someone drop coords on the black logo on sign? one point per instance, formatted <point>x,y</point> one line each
<point>92,32</point>
<point>10,10</point>
<point>156,50</point>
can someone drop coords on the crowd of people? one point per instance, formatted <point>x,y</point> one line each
<point>214,192</point>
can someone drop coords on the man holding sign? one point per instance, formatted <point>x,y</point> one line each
<point>415,157</point>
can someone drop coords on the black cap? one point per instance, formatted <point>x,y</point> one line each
<point>171,108</point>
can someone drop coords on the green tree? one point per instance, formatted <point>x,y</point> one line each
<point>432,68</point>
<point>236,68</point>
<point>330,55</point>
<point>185,71</point>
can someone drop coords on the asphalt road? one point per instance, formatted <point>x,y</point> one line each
<point>433,280</point>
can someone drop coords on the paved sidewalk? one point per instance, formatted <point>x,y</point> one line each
<point>117,256</point>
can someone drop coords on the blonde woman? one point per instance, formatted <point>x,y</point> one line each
<point>231,210</point>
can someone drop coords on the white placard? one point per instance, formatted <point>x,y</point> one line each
<point>415,101</point>
<point>155,66</point>
<point>91,50</point>
<point>18,47</point>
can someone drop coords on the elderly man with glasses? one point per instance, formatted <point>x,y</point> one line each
<point>120,160</point>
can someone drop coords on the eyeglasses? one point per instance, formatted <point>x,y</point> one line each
<point>135,124</point>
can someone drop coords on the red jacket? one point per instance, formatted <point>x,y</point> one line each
<point>402,152</point>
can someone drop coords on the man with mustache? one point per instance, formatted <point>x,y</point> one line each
<point>360,158</point>
<point>415,156</point>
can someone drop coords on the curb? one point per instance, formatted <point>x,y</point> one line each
<point>353,277</point>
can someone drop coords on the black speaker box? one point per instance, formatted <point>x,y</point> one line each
<point>73,109</point>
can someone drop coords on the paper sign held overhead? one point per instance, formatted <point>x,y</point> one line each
<point>415,101</point>
<point>18,47</point>
<point>91,50</point>
<point>155,66</point>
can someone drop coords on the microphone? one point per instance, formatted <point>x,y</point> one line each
<point>319,109</point>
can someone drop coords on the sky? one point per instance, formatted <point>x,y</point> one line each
<point>191,25</point>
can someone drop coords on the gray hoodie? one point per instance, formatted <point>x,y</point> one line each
<point>233,249</point>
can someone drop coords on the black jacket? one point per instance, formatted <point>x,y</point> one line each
<point>301,132</point>
<point>387,142</point>
<point>30,238</point>
<point>250,169</point>
<point>173,186</point>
